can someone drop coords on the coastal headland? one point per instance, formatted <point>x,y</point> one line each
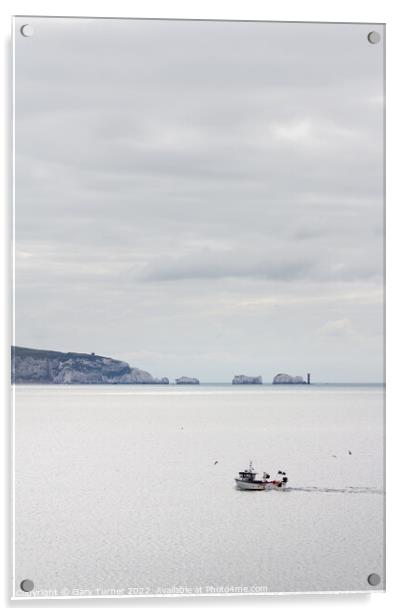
<point>56,367</point>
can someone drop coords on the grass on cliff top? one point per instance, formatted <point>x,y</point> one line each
<point>43,354</point>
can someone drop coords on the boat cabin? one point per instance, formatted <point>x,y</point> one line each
<point>247,475</point>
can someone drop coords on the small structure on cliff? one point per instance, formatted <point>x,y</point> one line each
<point>287,379</point>
<point>187,380</point>
<point>242,379</point>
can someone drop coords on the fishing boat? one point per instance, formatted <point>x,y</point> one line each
<point>247,480</point>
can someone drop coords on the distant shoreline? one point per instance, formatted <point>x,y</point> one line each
<point>289,386</point>
<point>47,367</point>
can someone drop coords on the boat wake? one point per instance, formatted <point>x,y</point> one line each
<point>347,490</point>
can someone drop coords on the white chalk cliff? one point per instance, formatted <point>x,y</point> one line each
<point>287,379</point>
<point>38,366</point>
<point>242,379</point>
<point>187,380</point>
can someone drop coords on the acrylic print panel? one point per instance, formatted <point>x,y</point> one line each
<point>198,221</point>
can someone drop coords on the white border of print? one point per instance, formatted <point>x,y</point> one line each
<point>287,10</point>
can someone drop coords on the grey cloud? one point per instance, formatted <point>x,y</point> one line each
<point>209,265</point>
<point>214,267</point>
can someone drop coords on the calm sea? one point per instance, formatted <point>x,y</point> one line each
<point>130,489</point>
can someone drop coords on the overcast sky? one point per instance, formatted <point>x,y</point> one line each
<point>202,198</point>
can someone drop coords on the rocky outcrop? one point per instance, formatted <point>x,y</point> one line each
<point>37,366</point>
<point>187,380</point>
<point>242,379</point>
<point>287,379</point>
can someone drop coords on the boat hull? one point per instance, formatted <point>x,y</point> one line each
<point>258,485</point>
<point>250,485</point>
